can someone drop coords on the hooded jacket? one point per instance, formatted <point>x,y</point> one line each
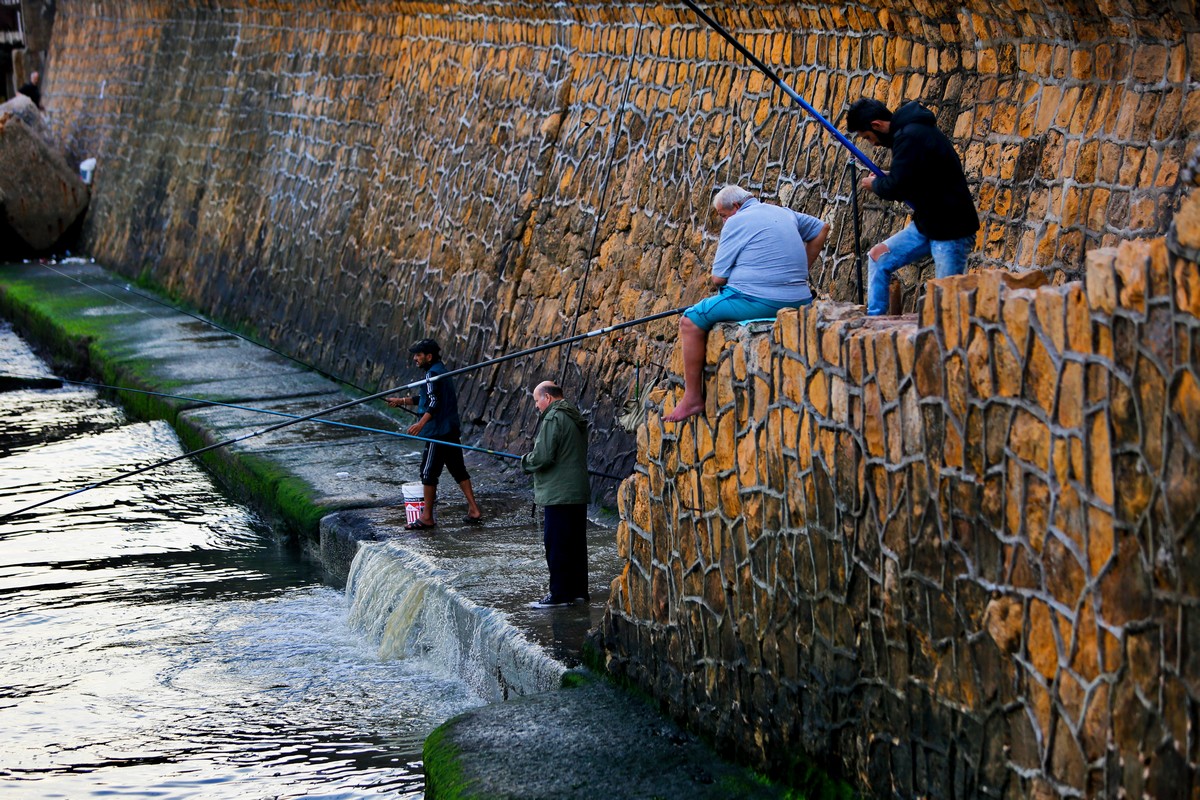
<point>440,400</point>
<point>927,173</point>
<point>558,462</point>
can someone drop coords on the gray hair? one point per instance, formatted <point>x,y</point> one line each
<point>730,195</point>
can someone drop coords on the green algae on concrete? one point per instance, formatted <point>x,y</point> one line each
<point>32,308</point>
<point>137,343</point>
<point>445,778</point>
<point>262,483</point>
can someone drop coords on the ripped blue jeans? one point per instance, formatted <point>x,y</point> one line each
<point>905,247</point>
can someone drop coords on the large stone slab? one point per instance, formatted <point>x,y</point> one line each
<point>41,196</point>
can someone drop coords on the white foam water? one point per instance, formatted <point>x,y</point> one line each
<point>406,603</point>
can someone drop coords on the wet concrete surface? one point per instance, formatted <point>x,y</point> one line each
<point>587,741</point>
<point>500,564</point>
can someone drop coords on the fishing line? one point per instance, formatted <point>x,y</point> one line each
<point>612,153</point>
<point>98,290</point>
<point>856,154</point>
<point>852,171</point>
<point>350,403</point>
<point>236,407</point>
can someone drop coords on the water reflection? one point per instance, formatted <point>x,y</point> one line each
<point>160,642</point>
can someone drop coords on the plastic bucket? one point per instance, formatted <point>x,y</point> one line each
<point>414,501</point>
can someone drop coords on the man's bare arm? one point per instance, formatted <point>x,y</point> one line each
<point>813,248</point>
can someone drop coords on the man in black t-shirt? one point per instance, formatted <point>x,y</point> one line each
<point>438,421</point>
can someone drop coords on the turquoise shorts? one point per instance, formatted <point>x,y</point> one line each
<point>730,305</point>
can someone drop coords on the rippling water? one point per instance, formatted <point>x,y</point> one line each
<point>158,641</point>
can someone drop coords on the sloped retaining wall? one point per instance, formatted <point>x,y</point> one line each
<point>956,555</point>
<point>345,177</point>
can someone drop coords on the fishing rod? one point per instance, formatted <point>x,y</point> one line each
<point>126,287</point>
<point>31,382</point>
<point>255,410</point>
<point>789,91</point>
<point>862,289</point>
<point>349,403</point>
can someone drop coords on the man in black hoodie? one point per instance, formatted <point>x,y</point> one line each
<point>926,173</point>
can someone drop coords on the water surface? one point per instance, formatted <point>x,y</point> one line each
<point>160,641</point>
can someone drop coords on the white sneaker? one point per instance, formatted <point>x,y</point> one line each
<point>549,602</point>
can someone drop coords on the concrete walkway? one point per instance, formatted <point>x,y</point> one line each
<point>97,324</point>
<point>337,486</point>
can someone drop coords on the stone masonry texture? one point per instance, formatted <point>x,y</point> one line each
<point>343,177</point>
<point>950,554</point>
<point>954,555</point>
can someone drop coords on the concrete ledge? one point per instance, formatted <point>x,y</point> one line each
<point>587,740</point>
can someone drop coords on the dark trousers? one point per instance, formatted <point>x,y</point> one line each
<point>565,537</point>
<point>438,456</point>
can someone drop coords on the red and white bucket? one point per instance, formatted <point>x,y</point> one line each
<point>414,501</point>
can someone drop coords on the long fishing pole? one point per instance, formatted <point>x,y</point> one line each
<point>54,383</point>
<point>350,403</point>
<point>28,382</point>
<point>789,91</point>
<point>862,289</point>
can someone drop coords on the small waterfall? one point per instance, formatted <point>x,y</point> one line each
<point>407,604</point>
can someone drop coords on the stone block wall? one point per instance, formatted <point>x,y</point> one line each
<point>951,555</point>
<point>343,177</point>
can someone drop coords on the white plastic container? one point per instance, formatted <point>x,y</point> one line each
<point>87,168</point>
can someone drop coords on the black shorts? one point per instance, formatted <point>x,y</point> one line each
<point>438,456</point>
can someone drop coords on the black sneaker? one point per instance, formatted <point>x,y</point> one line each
<point>549,602</point>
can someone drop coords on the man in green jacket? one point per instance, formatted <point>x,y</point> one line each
<point>558,464</point>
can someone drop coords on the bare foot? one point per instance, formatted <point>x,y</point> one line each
<point>688,407</point>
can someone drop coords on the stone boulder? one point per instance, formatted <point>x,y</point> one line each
<point>41,196</point>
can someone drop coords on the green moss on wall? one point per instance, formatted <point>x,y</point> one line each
<point>76,326</point>
<point>444,778</point>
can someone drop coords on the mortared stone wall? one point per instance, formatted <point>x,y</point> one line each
<point>955,555</point>
<point>344,177</point>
